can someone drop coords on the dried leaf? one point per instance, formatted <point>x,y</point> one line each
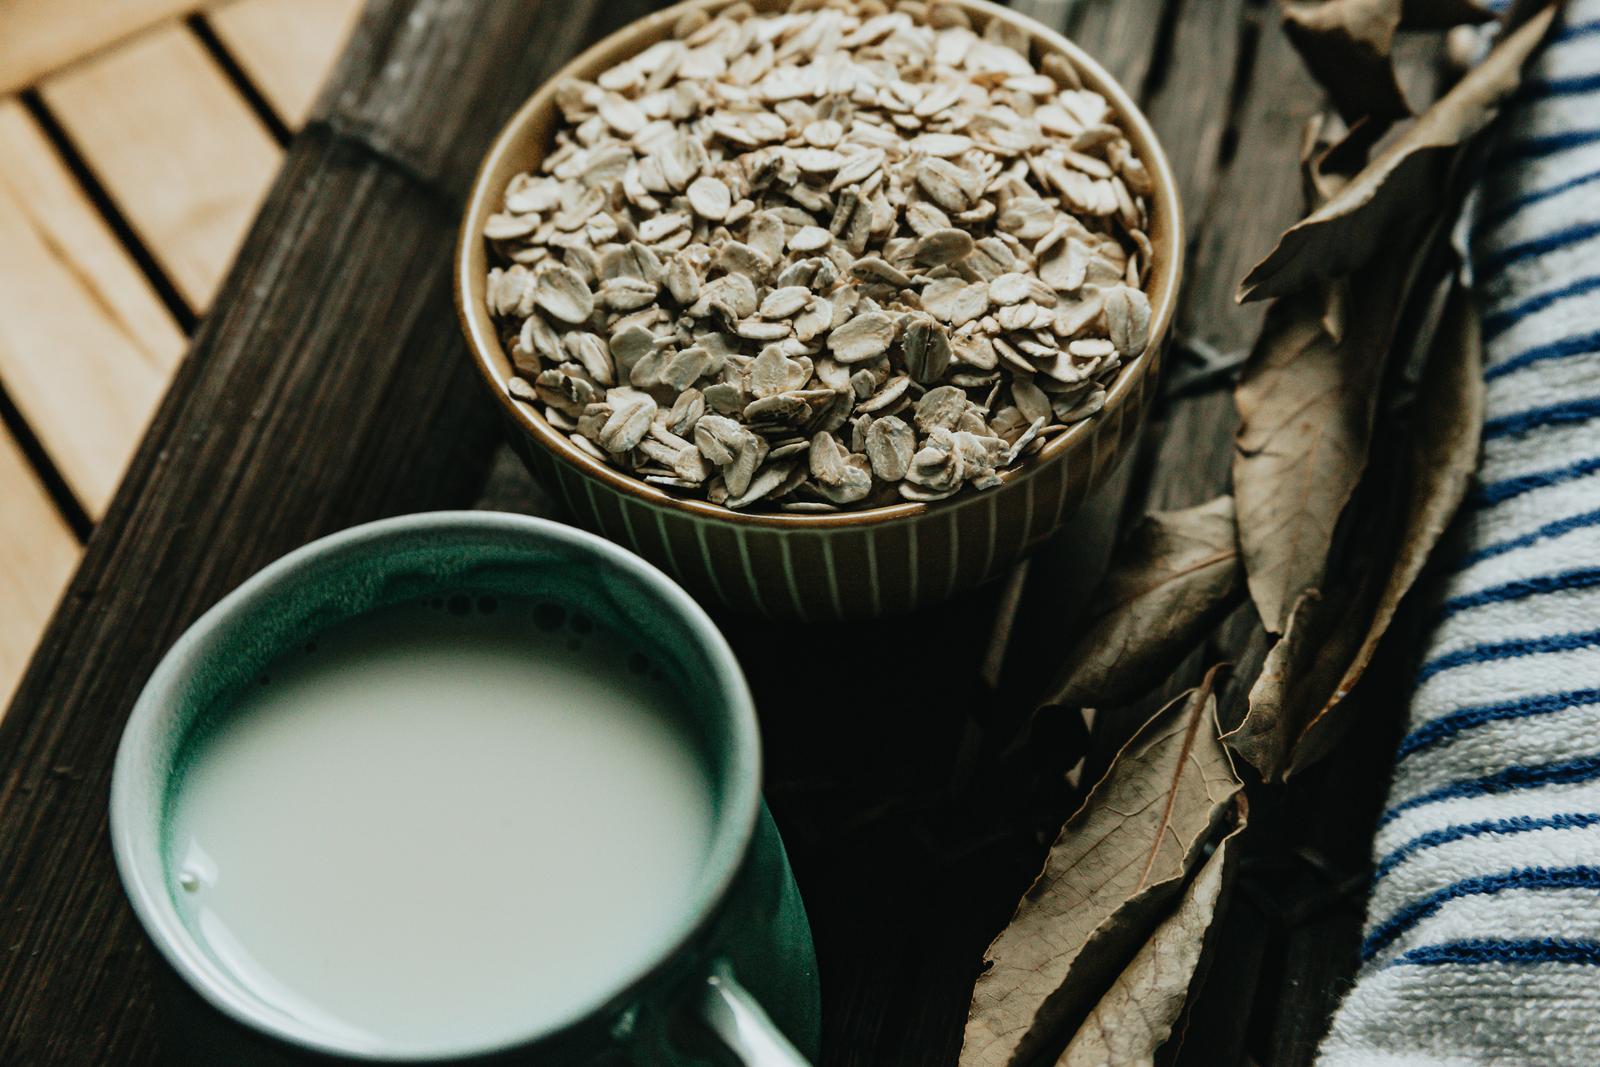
<point>1382,199</point>
<point>1294,707</point>
<point>1318,184</point>
<point>1137,1015</point>
<point>1347,46</point>
<point>1518,12</point>
<point>1274,716</point>
<point>1306,404</point>
<point>1443,453</point>
<point>1176,574</point>
<point>1114,868</point>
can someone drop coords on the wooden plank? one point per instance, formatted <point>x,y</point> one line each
<point>1245,205</point>
<point>86,347</point>
<point>176,147</point>
<point>39,36</point>
<point>286,47</point>
<point>37,554</point>
<point>328,386</point>
<point>1122,35</point>
<point>1189,109</point>
<point>1256,197</point>
<point>1119,34</point>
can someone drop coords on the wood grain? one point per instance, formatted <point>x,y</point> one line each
<point>1190,106</point>
<point>1237,209</point>
<point>175,145</point>
<point>38,36</point>
<point>285,47</point>
<point>1122,35</point>
<point>37,554</point>
<point>86,346</point>
<point>1257,193</point>
<point>328,386</point>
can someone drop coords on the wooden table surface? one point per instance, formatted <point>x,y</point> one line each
<point>327,385</point>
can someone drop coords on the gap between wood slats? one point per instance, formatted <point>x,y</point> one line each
<point>41,36</point>
<point>248,92</point>
<point>184,157</point>
<point>86,345</point>
<point>284,47</point>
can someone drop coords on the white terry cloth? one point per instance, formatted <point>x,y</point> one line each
<point>1482,942</point>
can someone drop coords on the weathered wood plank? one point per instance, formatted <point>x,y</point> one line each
<point>1122,35</point>
<point>39,36</point>
<point>286,47</point>
<point>328,386</point>
<point>1254,196</point>
<point>37,554</point>
<point>1189,107</point>
<point>86,346</point>
<point>175,145</point>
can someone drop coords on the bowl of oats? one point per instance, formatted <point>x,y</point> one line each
<point>828,308</point>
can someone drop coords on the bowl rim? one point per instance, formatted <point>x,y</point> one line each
<point>483,339</point>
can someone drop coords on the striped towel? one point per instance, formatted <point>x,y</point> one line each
<point>1483,933</point>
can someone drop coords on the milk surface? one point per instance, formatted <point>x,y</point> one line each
<point>432,828</point>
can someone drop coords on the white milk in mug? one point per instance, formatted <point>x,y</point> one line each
<point>460,817</point>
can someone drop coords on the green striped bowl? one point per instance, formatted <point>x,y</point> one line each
<point>858,564</point>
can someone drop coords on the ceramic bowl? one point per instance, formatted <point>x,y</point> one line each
<point>852,564</point>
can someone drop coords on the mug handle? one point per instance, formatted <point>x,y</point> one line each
<point>743,1025</point>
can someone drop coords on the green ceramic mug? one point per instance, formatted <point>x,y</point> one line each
<point>737,985</point>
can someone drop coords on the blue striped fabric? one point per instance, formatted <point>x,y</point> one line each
<point>1480,950</point>
<point>1490,493</point>
<point>1554,528</point>
<point>1510,208</point>
<point>1521,589</point>
<point>1544,244</point>
<point>1495,650</point>
<point>1498,827</point>
<point>1438,730</point>
<point>1584,344</point>
<point>1483,930</point>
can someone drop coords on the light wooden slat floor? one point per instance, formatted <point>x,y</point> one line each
<point>128,176</point>
<point>39,36</point>
<point>285,46</point>
<point>183,156</point>
<point>86,346</point>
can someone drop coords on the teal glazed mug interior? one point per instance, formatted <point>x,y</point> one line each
<point>728,977</point>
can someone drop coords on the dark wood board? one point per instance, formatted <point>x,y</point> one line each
<point>329,387</point>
